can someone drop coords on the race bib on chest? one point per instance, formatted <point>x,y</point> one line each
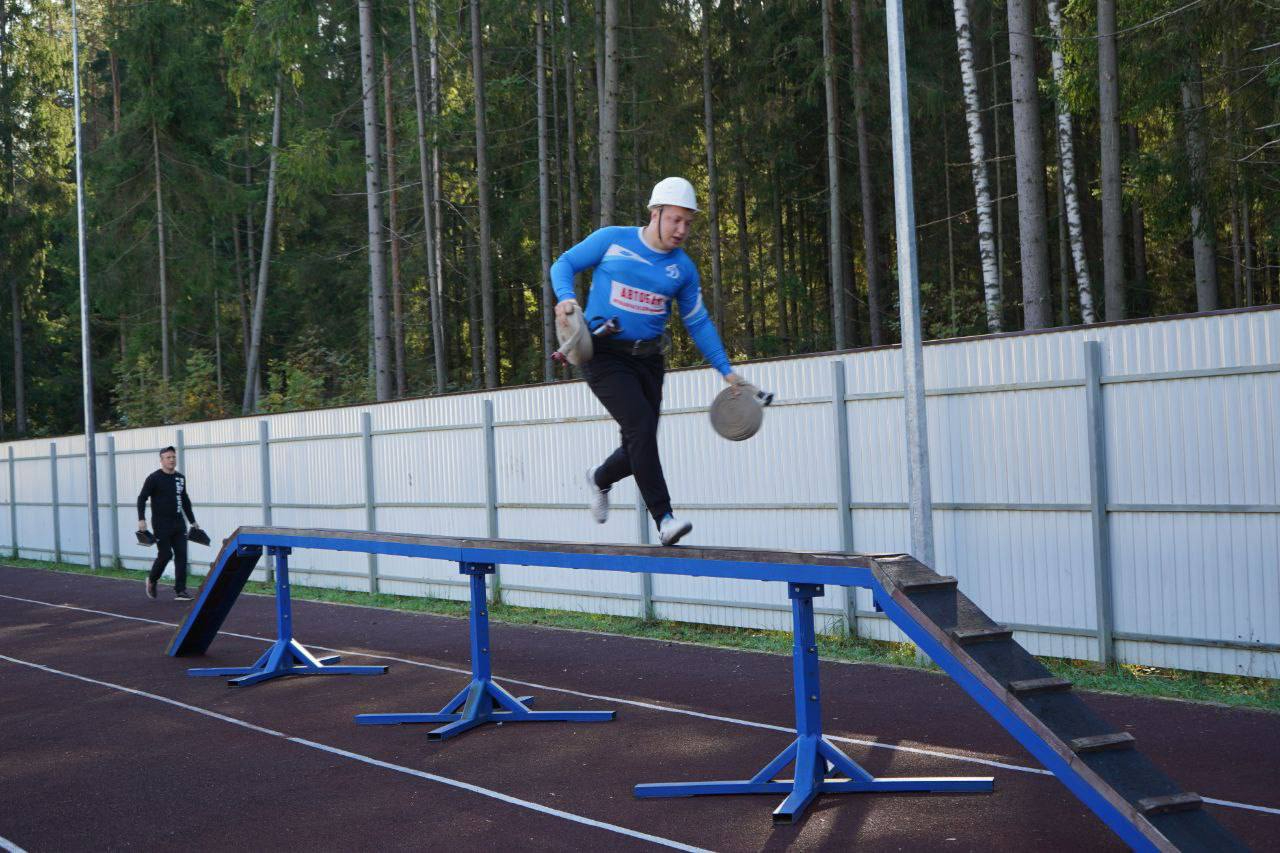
<point>636,300</point>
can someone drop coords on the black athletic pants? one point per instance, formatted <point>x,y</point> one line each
<point>171,543</point>
<point>630,387</point>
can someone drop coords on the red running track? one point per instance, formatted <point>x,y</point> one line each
<point>105,743</point>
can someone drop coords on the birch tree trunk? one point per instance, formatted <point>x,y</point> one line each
<point>998,159</point>
<point>1203,236</point>
<point>870,219</point>
<point>160,248</point>
<point>1112,193</point>
<point>571,132</point>
<point>836,247</point>
<point>428,214</point>
<point>713,188</point>
<point>1064,258</point>
<point>393,226</point>
<point>544,199</point>
<point>1067,157</point>
<point>987,249</point>
<point>264,265</point>
<point>482,189</point>
<point>609,118</point>
<point>1033,237</point>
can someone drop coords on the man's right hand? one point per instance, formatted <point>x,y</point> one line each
<point>566,306</point>
<point>142,524</point>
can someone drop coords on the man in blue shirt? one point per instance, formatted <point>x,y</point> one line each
<point>639,273</point>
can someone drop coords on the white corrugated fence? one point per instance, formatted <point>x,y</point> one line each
<point>1108,491</point>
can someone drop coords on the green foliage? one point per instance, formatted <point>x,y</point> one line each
<point>195,84</point>
<point>142,398</point>
<point>313,376</point>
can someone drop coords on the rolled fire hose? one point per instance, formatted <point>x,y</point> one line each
<point>738,411</point>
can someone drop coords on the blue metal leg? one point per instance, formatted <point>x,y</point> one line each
<point>286,656</point>
<point>482,701</point>
<point>820,768</point>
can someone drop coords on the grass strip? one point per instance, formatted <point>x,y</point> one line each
<point>1235,691</point>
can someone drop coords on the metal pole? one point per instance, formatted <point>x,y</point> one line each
<point>13,505</point>
<point>909,294</point>
<point>491,490</point>
<point>844,487</point>
<point>113,508</point>
<point>264,464</point>
<point>1098,500</point>
<point>53,483</point>
<point>646,578</point>
<point>181,448</point>
<point>86,357</point>
<point>370,506</point>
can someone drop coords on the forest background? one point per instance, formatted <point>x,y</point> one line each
<point>293,204</point>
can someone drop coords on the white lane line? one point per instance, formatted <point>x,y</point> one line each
<point>9,847</point>
<point>932,753</point>
<point>444,780</point>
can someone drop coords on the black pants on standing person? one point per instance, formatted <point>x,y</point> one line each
<point>630,387</point>
<point>171,544</point>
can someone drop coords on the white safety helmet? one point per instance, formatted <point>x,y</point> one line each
<point>673,191</point>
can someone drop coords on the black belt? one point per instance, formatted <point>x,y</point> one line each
<point>653,346</point>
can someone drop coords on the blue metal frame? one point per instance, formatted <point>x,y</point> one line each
<point>481,701</point>
<point>820,767</point>
<point>286,656</point>
<point>816,759</point>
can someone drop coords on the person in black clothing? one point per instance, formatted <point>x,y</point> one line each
<point>167,490</point>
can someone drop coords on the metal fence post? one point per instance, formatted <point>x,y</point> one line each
<point>370,504</point>
<point>113,504</point>
<point>13,505</point>
<point>1097,426</point>
<point>491,490</point>
<point>264,464</point>
<point>57,522</point>
<point>646,578</point>
<point>182,452</point>
<point>843,488</point>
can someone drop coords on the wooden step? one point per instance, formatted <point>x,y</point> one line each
<point>1184,802</point>
<point>926,583</point>
<point>989,634</point>
<point>1033,686</point>
<point>1102,743</point>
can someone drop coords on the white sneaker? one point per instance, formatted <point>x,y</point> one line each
<point>672,530</point>
<point>598,498</point>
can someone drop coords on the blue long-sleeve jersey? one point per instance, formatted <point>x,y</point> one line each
<point>637,285</point>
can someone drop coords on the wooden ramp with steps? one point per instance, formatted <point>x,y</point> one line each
<point>1102,766</point>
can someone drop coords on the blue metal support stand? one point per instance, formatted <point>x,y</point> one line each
<point>820,768</point>
<point>481,701</point>
<point>286,656</point>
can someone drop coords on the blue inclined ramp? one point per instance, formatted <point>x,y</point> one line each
<point>215,599</point>
<point>1098,763</point>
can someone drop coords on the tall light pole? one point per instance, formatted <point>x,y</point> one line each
<point>917,432</point>
<point>91,457</point>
